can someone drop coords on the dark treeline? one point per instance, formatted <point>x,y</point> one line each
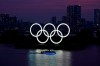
<point>83,39</point>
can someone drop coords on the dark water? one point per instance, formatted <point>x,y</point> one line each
<point>9,56</point>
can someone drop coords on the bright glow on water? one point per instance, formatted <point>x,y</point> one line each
<point>61,58</point>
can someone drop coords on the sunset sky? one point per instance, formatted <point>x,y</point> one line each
<point>43,10</point>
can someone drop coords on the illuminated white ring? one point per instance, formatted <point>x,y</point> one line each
<point>43,41</point>
<point>67,27</point>
<point>51,35</point>
<point>46,26</point>
<point>59,40</point>
<point>38,31</point>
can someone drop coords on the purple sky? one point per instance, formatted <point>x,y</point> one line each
<point>43,10</point>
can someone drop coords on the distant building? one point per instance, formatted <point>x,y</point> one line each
<point>4,17</point>
<point>64,19</point>
<point>12,23</point>
<point>13,19</point>
<point>73,16</point>
<point>97,17</point>
<point>54,20</point>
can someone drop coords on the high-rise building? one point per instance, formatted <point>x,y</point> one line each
<point>74,12</point>
<point>73,16</point>
<point>97,17</point>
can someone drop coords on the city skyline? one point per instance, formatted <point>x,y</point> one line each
<point>42,10</point>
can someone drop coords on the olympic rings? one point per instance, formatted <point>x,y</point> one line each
<point>52,33</point>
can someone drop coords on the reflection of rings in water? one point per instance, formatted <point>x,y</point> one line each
<point>51,34</point>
